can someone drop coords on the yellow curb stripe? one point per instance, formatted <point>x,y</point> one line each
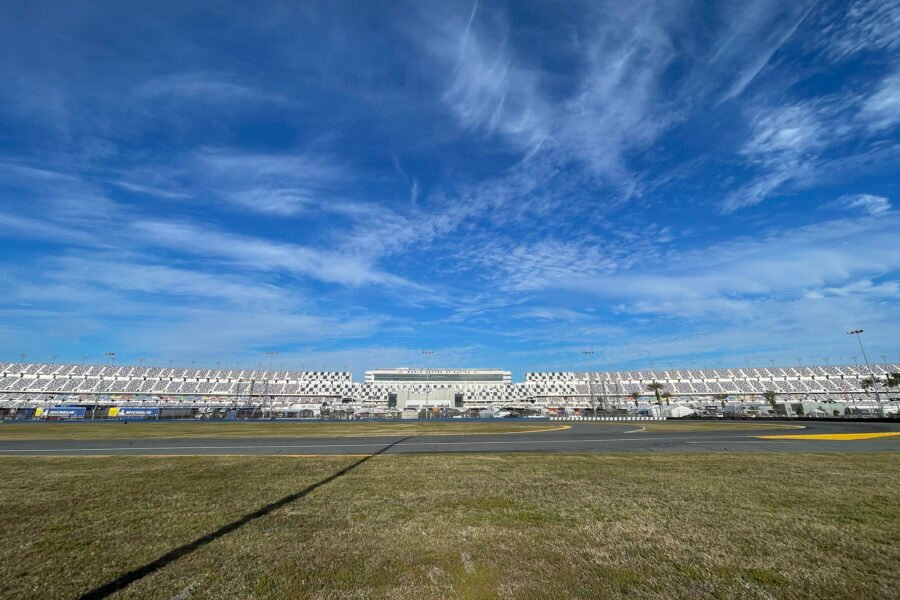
<point>832,436</point>
<point>560,428</point>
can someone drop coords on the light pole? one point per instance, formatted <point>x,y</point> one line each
<point>271,355</point>
<point>856,332</point>
<point>428,354</point>
<point>110,357</point>
<point>588,354</point>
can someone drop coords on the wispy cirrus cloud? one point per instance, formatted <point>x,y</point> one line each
<point>792,145</point>
<point>276,184</point>
<point>206,88</point>
<point>252,253</point>
<point>859,26</point>
<point>868,203</point>
<point>612,109</point>
<point>881,110</point>
<point>755,32</point>
<point>784,146</point>
<point>149,190</point>
<point>487,91</point>
<point>652,178</point>
<point>66,208</point>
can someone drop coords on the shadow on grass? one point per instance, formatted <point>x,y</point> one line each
<point>130,577</point>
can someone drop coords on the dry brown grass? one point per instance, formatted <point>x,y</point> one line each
<point>464,526</point>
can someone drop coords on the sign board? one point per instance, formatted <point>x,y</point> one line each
<point>132,412</point>
<point>65,412</point>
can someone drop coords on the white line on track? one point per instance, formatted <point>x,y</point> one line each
<point>751,442</point>
<point>636,430</point>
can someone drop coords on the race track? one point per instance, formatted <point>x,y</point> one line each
<point>580,437</point>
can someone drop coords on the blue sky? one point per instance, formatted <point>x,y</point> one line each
<point>681,183</point>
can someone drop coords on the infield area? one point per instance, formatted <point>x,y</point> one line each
<point>423,515</point>
<point>438,526</point>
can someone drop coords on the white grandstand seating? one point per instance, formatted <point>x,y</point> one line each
<point>40,382</point>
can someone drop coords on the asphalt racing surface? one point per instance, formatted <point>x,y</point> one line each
<point>579,437</point>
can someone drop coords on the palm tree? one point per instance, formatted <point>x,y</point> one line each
<point>721,398</point>
<point>892,380</point>
<point>635,396</point>
<point>770,397</point>
<point>869,382</point>
<point>666,396</point>
<point>655,387</point>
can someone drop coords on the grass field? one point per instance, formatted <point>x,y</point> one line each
<point>262,429</point>
<point>221,429</point>
<point>464,526</point>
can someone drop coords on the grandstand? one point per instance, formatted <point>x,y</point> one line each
<point>36,384</point>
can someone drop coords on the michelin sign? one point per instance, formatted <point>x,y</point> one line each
<point>65,412</point>
<point>130,412</point>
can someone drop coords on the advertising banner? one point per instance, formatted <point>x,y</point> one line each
<point>131,412</point>
<point>65,412</point>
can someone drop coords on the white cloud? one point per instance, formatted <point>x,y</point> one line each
<point>412,182</point>
<point>786,145</point>
<point>881,110</point>
<point>721,279</point>
<point>869,203</point>
<point>616,106</point>
<point>140,188</point>
<point>487,91</point>
<point>276,184</point>
<point>861,25</point>
<point>206,88</point>
<point>756,31</point>
<point>264,255</point>
<point>143,276</point>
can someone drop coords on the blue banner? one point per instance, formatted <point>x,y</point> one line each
<point>131,412</point>
<point>65,412</point>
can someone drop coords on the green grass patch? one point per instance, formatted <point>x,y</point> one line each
<point>462,526</point>
<point>134,430</point>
